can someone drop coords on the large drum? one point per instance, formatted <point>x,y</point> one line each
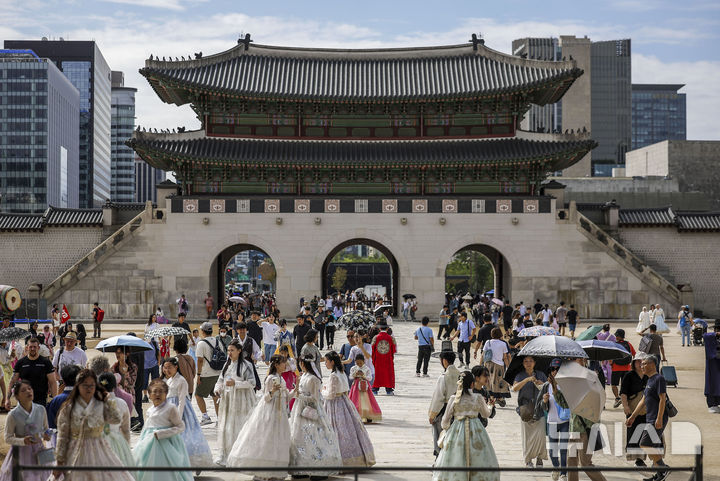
<point>10,299</point>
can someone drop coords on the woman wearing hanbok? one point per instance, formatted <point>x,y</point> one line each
<point>290,374</point>
<point>117,435</point>
<point>643,320</point>
<point>313,441</point>
<point>236,389</point>
<point>264,440</point>
<point>283,336</point>
<point>356,448</point>
<point>81,424</point>
<point>361,393</point>
<point>466,443</point>
<point>25,426</point>
<point>197,446</point>
<point>659,320</point>
<point>161,442</point>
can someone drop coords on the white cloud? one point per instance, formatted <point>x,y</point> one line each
<point>166,4</point>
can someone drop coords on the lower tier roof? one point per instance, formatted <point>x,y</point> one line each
<point>165,151</point>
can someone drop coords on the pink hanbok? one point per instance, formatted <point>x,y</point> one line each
<point>361,394</point>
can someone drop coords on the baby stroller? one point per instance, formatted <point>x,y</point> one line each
<point>698,330</point>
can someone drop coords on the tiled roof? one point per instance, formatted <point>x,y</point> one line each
<point>683,220</point>
<point>453,72</point>
<point>661,216</point>
<point>54,217</point>
<point>158,149</point>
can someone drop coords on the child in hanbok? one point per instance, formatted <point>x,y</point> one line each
<point>193,437</point>
<point>466,443</point>
<point>356,448</point>
<point>264,440</point>
<point>361,393</point>
<point>313,441</point>
<point>25,426</point>
<point>290,375</point>
<point>236,388</point>
<point>161,442</point>
<point>117,435</point>
<point>81,426</point>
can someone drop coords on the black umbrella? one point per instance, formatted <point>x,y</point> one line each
<point>516,367</point>
<point>409,296</point>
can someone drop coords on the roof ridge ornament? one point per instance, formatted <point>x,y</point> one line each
<point>245,40</point>
<point>477,40</point>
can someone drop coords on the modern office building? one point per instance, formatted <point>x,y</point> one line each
<point>122,124</point>
<point>84,65</point>
<point>658,113</point>
<point>39,118</point>
<point>545,118</point>
<point>599,100</point>
<point>611,87</point>
<point>147,178</point>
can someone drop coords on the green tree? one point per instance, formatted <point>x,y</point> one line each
<point>338,278</point>
<point>480,272</point>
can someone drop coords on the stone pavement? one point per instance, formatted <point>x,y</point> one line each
<point>403,438</point>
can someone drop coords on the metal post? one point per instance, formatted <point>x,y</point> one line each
<point>699,464</point>
<point>15,463</point>
<point>356,475</point>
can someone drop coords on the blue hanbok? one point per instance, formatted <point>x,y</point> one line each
<point>197,446</point>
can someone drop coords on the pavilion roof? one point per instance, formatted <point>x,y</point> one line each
<point>165,150</point>
<point>456,72</point>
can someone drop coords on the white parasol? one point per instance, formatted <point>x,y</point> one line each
<point>582,390</point>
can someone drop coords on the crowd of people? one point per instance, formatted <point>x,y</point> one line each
<point>312,407</point>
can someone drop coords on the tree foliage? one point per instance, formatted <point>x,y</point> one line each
<point>473,265</point>
<point>339,278</point>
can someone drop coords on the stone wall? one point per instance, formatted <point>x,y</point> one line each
<point>546,258</point>
<point>40,257</point>
<point>689,257</point>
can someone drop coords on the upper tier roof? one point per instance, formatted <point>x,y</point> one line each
<point>464,71</point>
<point>163,150</point>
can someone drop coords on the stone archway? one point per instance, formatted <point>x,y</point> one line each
<point>501,267</point>
<point>395,271</point>
<point>217,269</point>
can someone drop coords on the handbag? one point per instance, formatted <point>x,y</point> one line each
<point>309,413</point>
<point>46,455</point>
<point>670,407</point>
<point>526,412</point>
<point>634,401</point>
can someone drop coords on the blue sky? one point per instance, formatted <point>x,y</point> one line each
<point>672,42</point>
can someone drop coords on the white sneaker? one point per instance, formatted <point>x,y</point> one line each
<point>714,410</point>
<point>529,465</point>
<point>205,421</point>
<point>563,477</point>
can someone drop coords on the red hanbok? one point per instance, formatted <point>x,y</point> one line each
<point>383,356</point>
<point>362,396</point>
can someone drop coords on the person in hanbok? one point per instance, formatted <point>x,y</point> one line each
<point>25,426</point>
<point>313,442</point>
<point>643,320</point>
<point>712,368</point>
<point>310,349</point>
<point>6,374</point>
<point>659,320</point>
<point>161,443</point>
<point>236,389</point>
<point>264,440</point>
<point>283,336</point>
<point>193,437</point>
<point>81,425</point>
<point>290,374</point>
<point>356,448</point>
<point>360,393</point>
<point>465,442</point>
<point>383,357</point>
<point>117,435</point>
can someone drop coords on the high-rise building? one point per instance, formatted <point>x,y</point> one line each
<point>658,113</point>
<point>599,100</point>
<point>39,118</point>
<point>611,87</point>
<point>147,178</point>
<point>545,118</point>
<point>84,65</point>
<point>122,125</point>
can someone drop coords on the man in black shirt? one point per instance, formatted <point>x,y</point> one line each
<point>254,330</point>
<point>38,370</point>
<point>538,306</point>
<point>299,332</point>
<point>181,323</point>
<point>483,333</point>
<point>572,318</point>
<point>656,417</point>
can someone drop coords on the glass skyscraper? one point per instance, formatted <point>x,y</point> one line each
<point>122,126</point>
<point>84,65</point>
<point>658,113</point>
<point>39,140</point>
<point>147,178</point>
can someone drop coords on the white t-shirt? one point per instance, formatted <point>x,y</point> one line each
<point>355,350</point>
<point>547,315</point>
<point>269,330</point>
<point>75,357</point>
<point>204,352</point>
<point>499,348</point>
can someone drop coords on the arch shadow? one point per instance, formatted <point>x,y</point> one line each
<point>369,242</point>
<point>217,268</point>
<point>501,267</point>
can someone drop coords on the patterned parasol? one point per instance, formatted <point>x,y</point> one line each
<point>166,331</point>
<point>10,334</point>
<point>357,320</point>
<point>536,331</point>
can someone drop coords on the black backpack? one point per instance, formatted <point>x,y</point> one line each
<point>219,356</point>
